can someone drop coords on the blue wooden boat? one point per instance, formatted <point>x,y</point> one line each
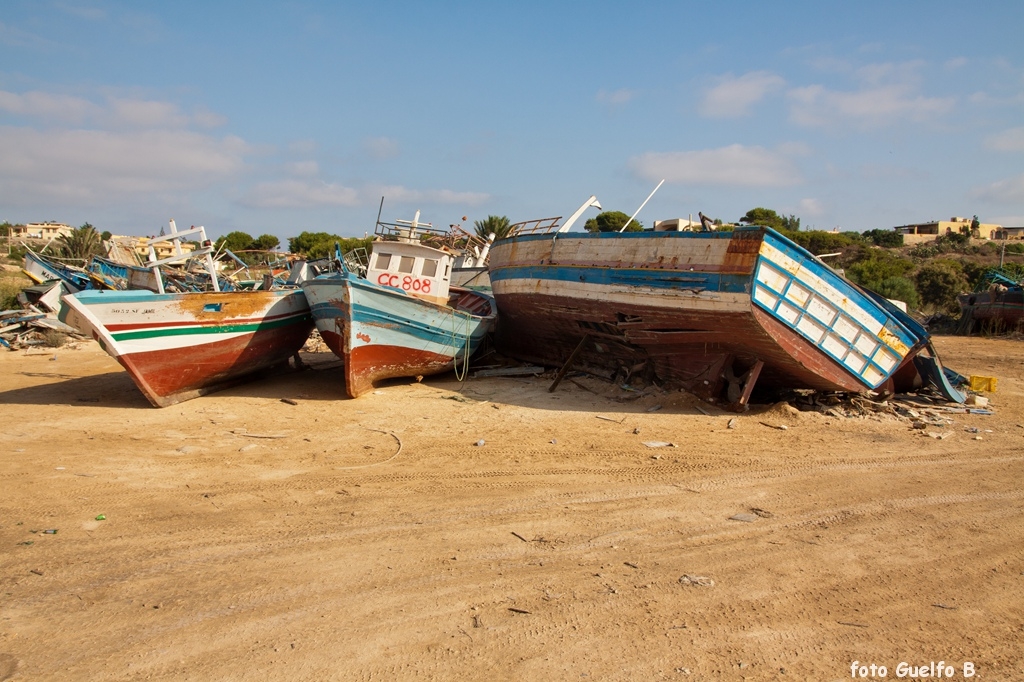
<point>713,312</point>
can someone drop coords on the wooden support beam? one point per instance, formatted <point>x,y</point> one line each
<point>568,363</point>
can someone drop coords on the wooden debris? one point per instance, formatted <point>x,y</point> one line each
<point>528,370</point>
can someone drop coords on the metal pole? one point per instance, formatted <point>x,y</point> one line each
<point>642,205</point>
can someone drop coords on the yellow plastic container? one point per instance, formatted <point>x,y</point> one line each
<point>979,383</point>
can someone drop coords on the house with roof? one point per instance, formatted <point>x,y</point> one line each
<point>1009,233</point>
<point>41,230</point>
<point>921,233</point>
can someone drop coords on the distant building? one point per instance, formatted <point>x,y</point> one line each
<point>42,230</point>
<point>921,233</point>
<point>1009,233</point>
<point>140,246</point>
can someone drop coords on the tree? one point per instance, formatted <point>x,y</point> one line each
<point>106,235</point>
<point>888,238</point>
<point>612,221</point>
<point>791,224</point>
<point>940,282</point>
<point>83,243</point>
<point>313,244</point>
<point>498,225</point>
<point>266,242</point>
<point>768,218</point>
<point>234,241</point>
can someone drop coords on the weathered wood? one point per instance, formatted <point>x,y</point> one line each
<point>568,363</point>
<point>509,371</point>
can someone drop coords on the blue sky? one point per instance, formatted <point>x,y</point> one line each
<point>290,116</point>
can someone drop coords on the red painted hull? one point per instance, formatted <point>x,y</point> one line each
<point>168,377</point>
<point>365,365</point>
<point>693,359</point>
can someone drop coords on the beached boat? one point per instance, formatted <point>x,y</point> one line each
<point>997,307</point>
<point>714,312</point>
<point>41,269</point>
<point>402,318</point>
<point>177,346</point>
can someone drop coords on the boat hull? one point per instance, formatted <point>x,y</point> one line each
<point>697,310</point>
<point>381,333</point>
<point>997,310</point>
<point>179,346</point>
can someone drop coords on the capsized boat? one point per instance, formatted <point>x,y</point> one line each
<point>180,345</point>
<point>713,312</point>
<point>399,315</point>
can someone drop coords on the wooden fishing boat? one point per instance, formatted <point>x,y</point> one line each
<point>997,307</point>
<point>400,317</point>
<point>177,346</point>
<point>41,269</point>
<point>713,312</point>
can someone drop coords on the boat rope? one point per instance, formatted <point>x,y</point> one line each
<point>465,353</point>
<point>373,464</point>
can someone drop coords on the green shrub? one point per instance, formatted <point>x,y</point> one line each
<point>10,287</point>
<point>939,282</point>
<point>899,289</point>
<point>870,267</point>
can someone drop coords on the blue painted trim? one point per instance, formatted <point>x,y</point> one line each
<point>629,277</point>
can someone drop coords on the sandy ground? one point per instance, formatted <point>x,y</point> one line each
<point>374,539</point>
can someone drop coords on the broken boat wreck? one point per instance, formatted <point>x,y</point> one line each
<point>718,313</point>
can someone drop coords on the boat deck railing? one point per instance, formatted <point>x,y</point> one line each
<point>453,237</point>
<point>539,226</point>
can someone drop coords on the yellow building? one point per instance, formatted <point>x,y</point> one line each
<point>42,230</point>
<point>921,233</point>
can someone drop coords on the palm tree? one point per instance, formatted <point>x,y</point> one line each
<point>498,225</point>
<point>83,243</point>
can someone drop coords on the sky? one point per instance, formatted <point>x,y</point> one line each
<point>284,117</point>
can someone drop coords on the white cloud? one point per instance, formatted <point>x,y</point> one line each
<point>95,167</point>
<point>113,112</point>
<point>15,37</point>
<point>81,11</point>
<point>308,193</point>
<point>1008,190</point>
<point>381,148</point>
<point>394,193</point>
<point>615,97</point>
<point>732,166</point>
<point>1011,140</point>
<point>306,169</point>
<point>733,96</point>
<point>145,114</point>
<point>815,105</point>
<point>811,208</point>
<point>299,194</point>
<point>48,106</point>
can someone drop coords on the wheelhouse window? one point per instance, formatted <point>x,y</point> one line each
<point>383,261</point>
<point>429,268</point>
<point>406,264</point>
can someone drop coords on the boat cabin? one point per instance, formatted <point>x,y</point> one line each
<point>418,270</point>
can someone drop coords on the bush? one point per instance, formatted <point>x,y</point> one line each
<point>10,287</point>
<point>54,338</point>
<point>818,241</point>
<point>939,283</point>
<point>870,267</point>
<point>890,239</point>
<point>899,289</point>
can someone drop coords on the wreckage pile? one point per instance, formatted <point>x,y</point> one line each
<point>32,327</point>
